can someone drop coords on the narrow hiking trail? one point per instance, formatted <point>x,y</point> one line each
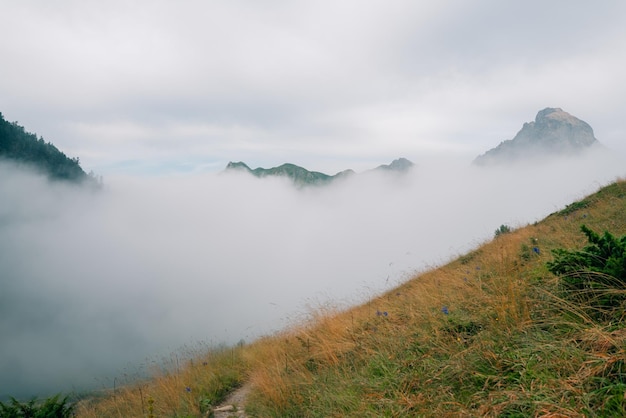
<point>234,404</point>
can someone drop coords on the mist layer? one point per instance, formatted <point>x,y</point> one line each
<point>95,281</point>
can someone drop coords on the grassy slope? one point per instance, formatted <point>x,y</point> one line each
<point>485,335</point>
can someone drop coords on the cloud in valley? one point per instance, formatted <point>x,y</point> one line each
<point>95,281</point>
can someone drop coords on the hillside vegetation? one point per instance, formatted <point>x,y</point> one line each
<point>19,146</point>
<point>493,333</point>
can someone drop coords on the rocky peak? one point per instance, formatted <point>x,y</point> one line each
<point>553,124</point>
<point>553,132</point>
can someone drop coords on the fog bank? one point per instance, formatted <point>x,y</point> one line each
<point>95,281</point>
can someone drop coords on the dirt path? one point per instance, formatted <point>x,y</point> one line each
<point>234,404</point>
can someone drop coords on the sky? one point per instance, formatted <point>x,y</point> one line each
<point>157,97</point>
<point>159,87</point>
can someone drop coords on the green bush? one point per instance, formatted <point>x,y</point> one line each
<point>573,207</point>
<point>503,229</point>
<point>49,408</point>
<point>596,274</point>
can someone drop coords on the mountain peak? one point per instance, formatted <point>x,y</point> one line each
<point>553,132</point>
<point>557,116</point>
<point>400,165</point>
<point>556,112</point>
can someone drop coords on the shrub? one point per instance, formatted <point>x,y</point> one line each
<point>597,273</point>
<point>49,408</point>
<point>573,207</point>
<point>503,229</point>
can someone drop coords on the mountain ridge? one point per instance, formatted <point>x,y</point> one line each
<point>302,177</point>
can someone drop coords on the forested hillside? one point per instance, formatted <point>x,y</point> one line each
<point>26,148</point>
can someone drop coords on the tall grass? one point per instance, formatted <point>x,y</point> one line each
<point>188,386</point>
<point>485,335</point>
<point>489,334</point>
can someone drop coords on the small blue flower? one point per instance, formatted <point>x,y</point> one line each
<point>188,389</point>
<point>385,313</point>
<point>444,309</point>
<point>536,250</point>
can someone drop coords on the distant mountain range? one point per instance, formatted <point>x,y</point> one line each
<point>554,132</point>
<point>303,177</point>
<point>25,148</point>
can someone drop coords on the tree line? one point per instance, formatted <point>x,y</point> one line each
<point>22,147</point>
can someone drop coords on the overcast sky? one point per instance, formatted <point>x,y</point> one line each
<point>149,87</point>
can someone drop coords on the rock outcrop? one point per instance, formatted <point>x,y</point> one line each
<point>554,132</point>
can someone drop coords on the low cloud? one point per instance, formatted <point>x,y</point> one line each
<point>93,282</point>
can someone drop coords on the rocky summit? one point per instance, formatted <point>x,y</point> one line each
<point>553,132</point>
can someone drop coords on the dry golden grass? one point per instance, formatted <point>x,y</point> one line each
<point>186,387</point>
